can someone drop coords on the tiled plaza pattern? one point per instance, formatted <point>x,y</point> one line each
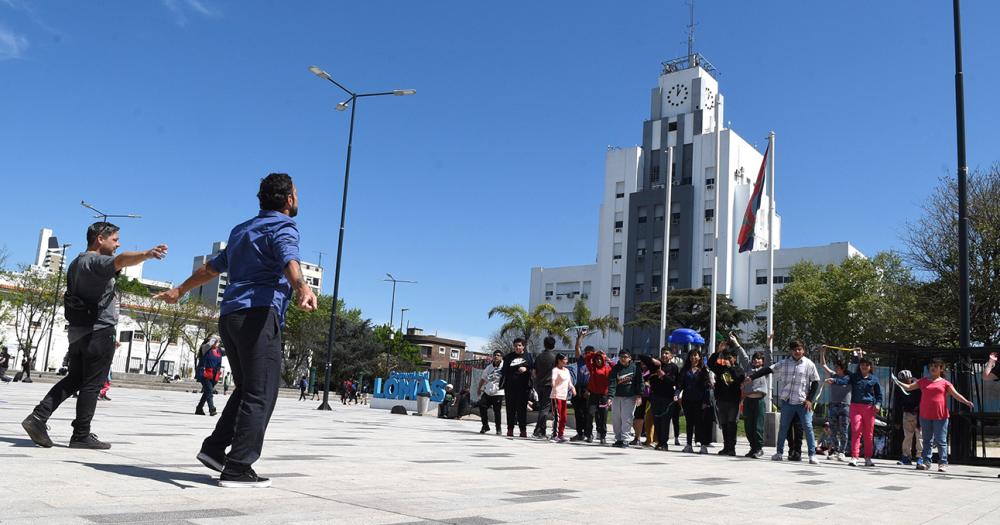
<point>357,465</point>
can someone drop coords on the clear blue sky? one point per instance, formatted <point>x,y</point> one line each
<point>174,109</point>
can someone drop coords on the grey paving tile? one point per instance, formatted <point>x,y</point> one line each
<point>543,491</point>
<point>296,457</point>
<point>540,497</point>
<point>589,458</point>
<point>471,520</point>
<point>14,456</point>
<point>286,475</point>
<point>699,495</point>
<point>435,461</point>
<point>806,505</point>
<point>162,516</point>
<point>807,473</point>
<point>894,488</point>
<point>494,455</point>
<point>512,468</point>
<point>814,482</point>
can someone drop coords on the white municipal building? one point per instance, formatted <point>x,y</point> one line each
<point>630,237</point>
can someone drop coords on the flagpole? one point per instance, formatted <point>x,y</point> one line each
<point>770,270</point>
<point>716,217</point>
<point>665,280</point>
<point>770,249</point>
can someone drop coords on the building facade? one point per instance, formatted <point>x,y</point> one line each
<point>686,115</point>
<point>211,292</point>
<point>436,352</point>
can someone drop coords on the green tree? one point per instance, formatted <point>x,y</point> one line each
<point>29,305</point>
<point>397,354</point>
<point>125,285</point>
<point>932,249</point>
<point>203,324</point>
<point>527,324</point>
<point>582,316</point>
<point>162,324</point>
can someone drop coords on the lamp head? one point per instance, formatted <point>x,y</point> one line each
<point>319,73</point>
<point>403,92</point>
<point>342,106</point>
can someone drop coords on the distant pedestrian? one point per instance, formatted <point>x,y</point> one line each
<point>262,260</point>
<point>91,309</point>
<point>517,366</point>
<point>209,370</point>
<point>26,363</point>
<point>490,393</point>
<point>934,413</point>
<point>4,364</point>
<point>544,363</point>
<point>444,407</point>
<point>562,390</point>
<point>226,381</point>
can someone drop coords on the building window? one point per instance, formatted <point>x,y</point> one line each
<point>658,245</point>
<point>454,353</point>
<point>706,280</point>
<point>710,183</point>
<point>619,225</point>
<point>709,215</point>
<point>640,247</point>
<point>674,252</point>
<point>657,280</point>
<point>619,190</point>
<point>440,350</point>
<point>675,218</point>
<point>642,215</point>
<point>761,276</point>
<point>616,251</point>
<point>709,242</point>
<point>615,312</point>
<point>782,279</point>
<point>672,126</point>
<point>654,173</point>
<point>425,351</point>
<point>616,291</point>
<point>658,213</point>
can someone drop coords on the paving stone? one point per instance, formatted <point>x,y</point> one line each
<point>806,505</point>
<point>162,516</point>
<point>699,495</point>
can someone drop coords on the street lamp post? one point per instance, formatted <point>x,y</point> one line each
<point>55,304</point>
<point>402,312</point>
<point>352,102</point>
<point>392,305</point>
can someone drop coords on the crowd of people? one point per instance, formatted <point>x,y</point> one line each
<point>646,395</point>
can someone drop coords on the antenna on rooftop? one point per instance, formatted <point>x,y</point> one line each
<point>691,56</point>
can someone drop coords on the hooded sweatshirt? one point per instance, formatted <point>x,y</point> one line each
<point>515,382</point>
<point>661,388</point>
<point>599,375</point>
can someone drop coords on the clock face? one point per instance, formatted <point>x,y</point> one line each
<point>709,99</point>
<point>677,95</point>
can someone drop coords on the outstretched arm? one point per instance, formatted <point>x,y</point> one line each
<point>580,334</point>
<point>988,373</point>
<point>959,397</point>
<point>202,275</point>
<point>125,259</point>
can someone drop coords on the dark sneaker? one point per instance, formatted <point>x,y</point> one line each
<point>484,430</point>
<point>589,439</point>
<point>212,412</point>
<point>604,441</point>
<point>216,463</point>
<point>523,434</point>
<point>199,412</point>
<point>510,432</point>
<point>248,479</point>
<point>37,430</point>
<point>89,441</point>
<point>752,454</point>
<point>578,437</point>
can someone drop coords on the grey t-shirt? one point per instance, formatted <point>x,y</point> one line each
<point>91,277</point>
<point>840,393</point>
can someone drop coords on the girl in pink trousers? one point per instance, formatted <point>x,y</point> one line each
<point>562,389</point>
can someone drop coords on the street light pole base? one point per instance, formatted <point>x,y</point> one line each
<point>324,406</point>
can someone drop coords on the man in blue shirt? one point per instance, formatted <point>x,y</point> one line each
<point>262,258</point>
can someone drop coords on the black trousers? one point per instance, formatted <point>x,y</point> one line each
<point>89,362</point>
<point>544,410</point>
<point>252,338</point>
<point>486,402</point>
<point>517,409</point>
<point>207,394</point>
<point>302,394</point>
<point>662,409</point>
<point>581,415</point>
<point>795,438</point>
<point>699,421</point>
<point>729,413</point>
<point>599,414</point>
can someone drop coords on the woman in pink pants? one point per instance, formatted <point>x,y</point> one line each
<point>866,398</point>
<point>562,389</point>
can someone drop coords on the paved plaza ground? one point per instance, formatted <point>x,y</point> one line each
<point>358,465</point>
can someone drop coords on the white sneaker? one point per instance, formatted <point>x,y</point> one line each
<point>813,461</point>
<point>942,468</point>
<point>853,462</point>
<point>869,462</point>
<point>777,457</point>
<point>840,456</point>
<point>704,450</point>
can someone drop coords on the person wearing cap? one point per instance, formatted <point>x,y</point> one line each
<point>826,444</point>
<point>910,405</point>
<point>490,393</point>
<point>449,400</point>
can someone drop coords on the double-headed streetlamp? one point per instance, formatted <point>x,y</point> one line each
<point>392,305</point>
<point>352,102</point>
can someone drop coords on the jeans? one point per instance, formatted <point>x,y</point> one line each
<point>581,415</point>
<point>935,433</point>
<point>486,402</point>
<point>839,420</point>
<point>207,394</point>
<point>698,415</point>
<point>559,410</point>
<point>622,414</point>
<point>89,362</point>
<point>753,410</point>
<point>598,408</point>
<point>862,425</point>
<point>544,409</point>
<point>252,338</point>
<point>517,409</point>
<point>729,413</point>
<point>912,440</point>
<point>788,411</point>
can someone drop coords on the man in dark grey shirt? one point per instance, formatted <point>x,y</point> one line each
<point>91,278</point>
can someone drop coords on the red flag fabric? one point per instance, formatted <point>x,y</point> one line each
<point>746,237</point>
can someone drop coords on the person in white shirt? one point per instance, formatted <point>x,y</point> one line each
<point>490,393</point>
<point>562,389</point>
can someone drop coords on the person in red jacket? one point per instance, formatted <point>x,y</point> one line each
<point>600,373</point>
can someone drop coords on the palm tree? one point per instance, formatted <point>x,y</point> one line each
<point>582,318</point>
<point>527,324</point>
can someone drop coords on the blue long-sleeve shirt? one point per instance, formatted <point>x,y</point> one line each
<point>255,257</point>
<point>864,390</point>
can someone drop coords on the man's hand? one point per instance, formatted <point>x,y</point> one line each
<point>158,252</point>
<point>809,406</point>
<point>521,370</point>
<point>170,296</point>
<point>829,381</point>
<point>307,299</point>
<point>993,357</point>
<point>733,339</point>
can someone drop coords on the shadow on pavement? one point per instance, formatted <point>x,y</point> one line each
<point>163,476</point>
<point>24,442</point>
